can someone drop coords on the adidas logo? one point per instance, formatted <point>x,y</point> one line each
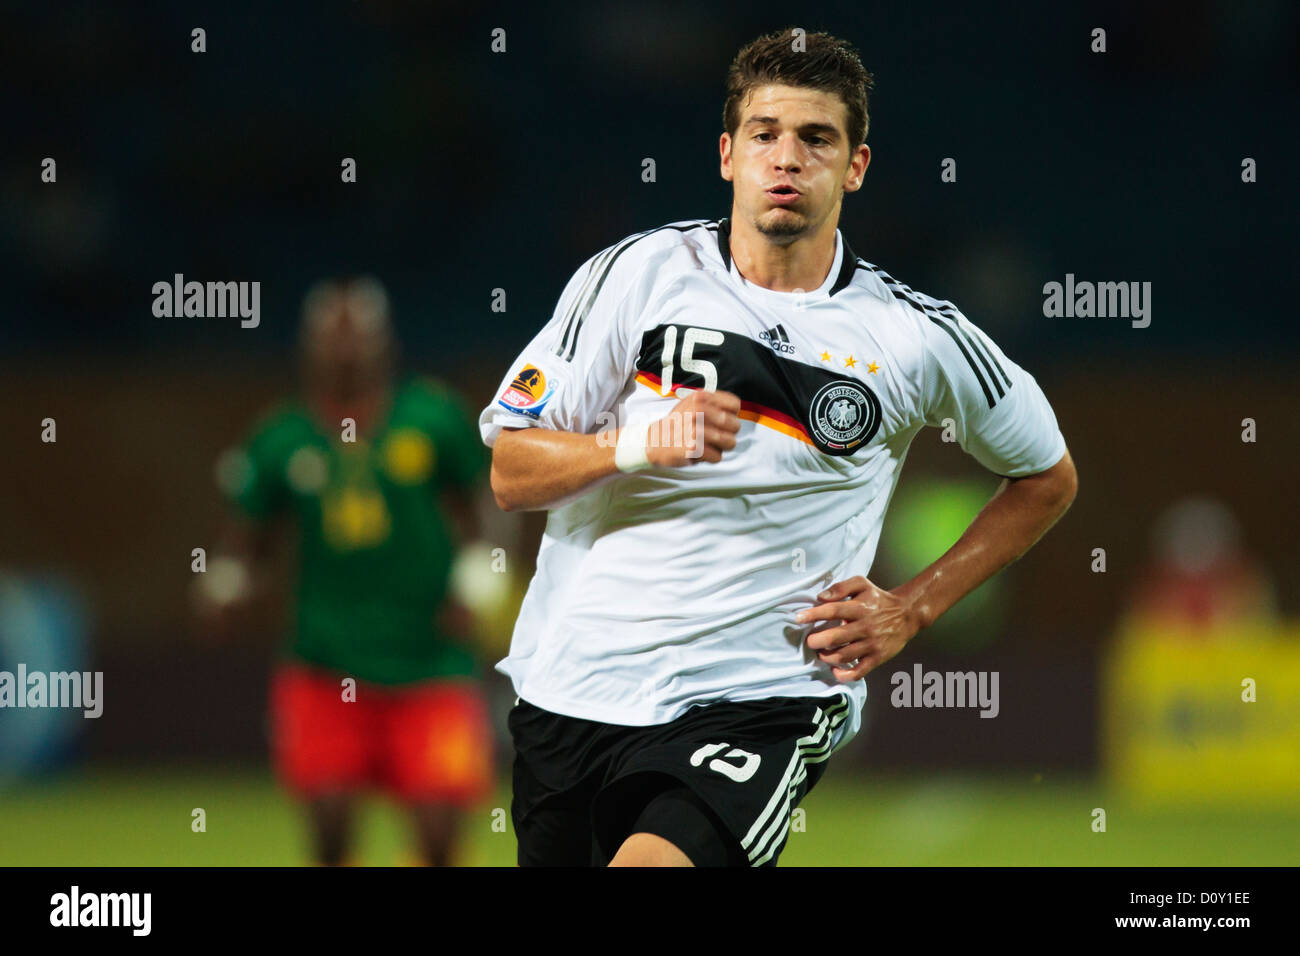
<point>777,338</point>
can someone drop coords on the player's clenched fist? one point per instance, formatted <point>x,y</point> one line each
<point>700,427</point>
<point>874,625</point>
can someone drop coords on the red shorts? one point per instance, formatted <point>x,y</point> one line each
<point>423,743</point>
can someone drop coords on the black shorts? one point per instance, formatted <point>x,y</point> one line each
<point>720,782</point>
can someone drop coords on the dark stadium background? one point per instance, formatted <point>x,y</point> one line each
<point>479,171</point>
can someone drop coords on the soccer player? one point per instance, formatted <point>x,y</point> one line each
<point>716,417</point>
<point>377,688</point>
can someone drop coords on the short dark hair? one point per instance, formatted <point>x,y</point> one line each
<point>825,63</point>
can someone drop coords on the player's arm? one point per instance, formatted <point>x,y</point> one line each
<point>462,460</point>
<point>251,479</point>
<point>1002,419</point>
<point>1020,512</point>
<point>532,468</point>
<point>550,429</point>
<point>234,578</point>
<point>879,623</point>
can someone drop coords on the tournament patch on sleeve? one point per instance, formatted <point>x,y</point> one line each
<point>528,392</point>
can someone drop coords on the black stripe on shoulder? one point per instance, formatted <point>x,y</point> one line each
<point>983,345</point>
<point>980,353</point>
<point>600,272</point>
<point>972,337</point>
<point>976,337</point>
<point>942,317</point>
<point>577,301</point>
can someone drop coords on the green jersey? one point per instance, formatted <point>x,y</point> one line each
<point>375,547</point>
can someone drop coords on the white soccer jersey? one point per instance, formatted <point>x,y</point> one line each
<point>672,587</point>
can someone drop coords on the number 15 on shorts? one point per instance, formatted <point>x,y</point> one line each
<point>739,772</point>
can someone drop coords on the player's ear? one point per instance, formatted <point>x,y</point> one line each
<point>724,152</point>
<point>858,164</point>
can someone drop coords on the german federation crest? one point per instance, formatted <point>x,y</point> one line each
<point>844,416</point>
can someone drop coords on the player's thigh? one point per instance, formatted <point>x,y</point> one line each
<point>647,849</point>
<point>319,742</point>
<point>552,789</point>
<point>552,828</point>
<point>675,827</point>
<point>437,746</point>
<point>750,764</point>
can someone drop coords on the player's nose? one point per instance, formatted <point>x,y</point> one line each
<point>787,154</point>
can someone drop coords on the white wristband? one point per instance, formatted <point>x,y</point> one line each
<point>226,581</point>
<point>630,454</point>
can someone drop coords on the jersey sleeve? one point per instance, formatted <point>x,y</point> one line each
<point>575,368</point>
<point>462,459</point>
<point>252,475</point>
<point>1000,415</point>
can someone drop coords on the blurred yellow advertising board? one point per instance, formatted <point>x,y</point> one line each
<point>1204,717</point>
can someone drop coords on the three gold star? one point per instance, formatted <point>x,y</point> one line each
<point>851,362</point>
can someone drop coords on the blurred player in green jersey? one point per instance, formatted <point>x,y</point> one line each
<point>377,688</point>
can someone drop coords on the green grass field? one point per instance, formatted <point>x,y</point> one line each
<point>143,818</point>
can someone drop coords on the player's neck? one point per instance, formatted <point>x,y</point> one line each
<point>802,265</point>
<point>365,408</point>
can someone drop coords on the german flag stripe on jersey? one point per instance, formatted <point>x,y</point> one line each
<point>750,411</point>
<point>833,413</point>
